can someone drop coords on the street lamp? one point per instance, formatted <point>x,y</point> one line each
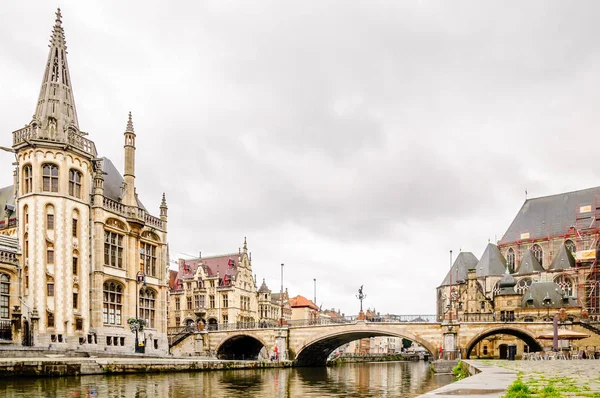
<point>140,277</point>
<point>281,297</point>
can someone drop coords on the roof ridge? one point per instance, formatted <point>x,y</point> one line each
<point>215,256</point>
<point>562,193</point>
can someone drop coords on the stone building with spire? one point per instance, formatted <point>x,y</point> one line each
<point>91,256</point>
<point>546,263</point>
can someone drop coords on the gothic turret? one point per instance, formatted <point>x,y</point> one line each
<point>55,111</point>
<point>129,174</point>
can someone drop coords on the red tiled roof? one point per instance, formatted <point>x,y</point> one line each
<point>220,264</point>
<point>301,301</point>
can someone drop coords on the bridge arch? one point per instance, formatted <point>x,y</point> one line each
<point>316,351</point>
<point>522,334</point>
<point>240,346</point>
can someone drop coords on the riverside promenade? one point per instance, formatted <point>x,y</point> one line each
<point>568,378</point>
<point>57,365</point>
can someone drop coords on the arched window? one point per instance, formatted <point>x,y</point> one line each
<point>148,256</point>
<point>113,303</point>
<point>570,245</point>
<point>27,179</point>
<point>26,214</point>
<point>523,285</point>
<point>4,296</point>
<point>49,178</point>
<point>75,183</point>
<point>565,283</point>
<point>496,288</point>
<point>510,259</point>
<point>147,308</point>
<point>538,253</point>
<point>49,217</point>
<point>113,249</point>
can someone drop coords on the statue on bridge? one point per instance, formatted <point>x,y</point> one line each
<point>361,296</point>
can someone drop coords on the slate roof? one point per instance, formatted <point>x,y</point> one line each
<point>263,288</point>
<point>563,260</point>
<point>460,269</point>
<point>113,180</point>
<point>212,266</point>
<point>301,302</point>
<point>538,291</point>
<point>9,244</point>
<point>7,197</point>
<point>529,264</point>
<point>492,262</point>
<point>548,215</point>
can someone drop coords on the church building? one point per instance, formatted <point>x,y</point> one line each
<point>85,262</point>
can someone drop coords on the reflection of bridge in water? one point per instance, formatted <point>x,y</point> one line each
<point>311,342</point>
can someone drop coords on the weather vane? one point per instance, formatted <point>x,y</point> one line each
<point>361,296</point>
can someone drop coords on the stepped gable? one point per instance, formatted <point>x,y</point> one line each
<point>546,295</point>
<point>529,264</point>
<point>548,215</point>
<point>492,262</point>
<point>563,260</point>
<point>464,262</point>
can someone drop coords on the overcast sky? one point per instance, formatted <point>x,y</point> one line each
<point>355,141</point>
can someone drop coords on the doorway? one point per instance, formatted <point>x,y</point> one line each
<point>503,351</point>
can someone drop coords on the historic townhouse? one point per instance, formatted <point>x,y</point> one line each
<point>271,305</point>
<point>208,291</point>
<point>92,257</point>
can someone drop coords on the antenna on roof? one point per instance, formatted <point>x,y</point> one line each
<point>525,193</point>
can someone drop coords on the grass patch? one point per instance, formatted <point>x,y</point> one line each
<point>459,371</point>
<point>518,389</point>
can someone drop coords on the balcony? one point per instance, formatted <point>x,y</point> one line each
<point>132,213</point>
<point>31,134</point>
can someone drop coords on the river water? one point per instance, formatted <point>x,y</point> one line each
<point>376,379</point>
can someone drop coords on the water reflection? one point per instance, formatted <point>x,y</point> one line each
<point>383,379</point>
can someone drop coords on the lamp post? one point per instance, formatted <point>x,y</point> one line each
<point>140,277</point>
<point>281,297</point>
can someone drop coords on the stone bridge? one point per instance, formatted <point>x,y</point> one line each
<point>309,345</point>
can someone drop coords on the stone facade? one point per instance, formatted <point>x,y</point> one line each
<point>92,255</point>
<point>213,291</point>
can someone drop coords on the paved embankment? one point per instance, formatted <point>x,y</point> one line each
<point>24,367</point>
<point>578,378</point>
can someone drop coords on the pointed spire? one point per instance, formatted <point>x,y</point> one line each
<point>55,110</point>
<point>129,128</point>
<point>245,245</point>
<point>163,207</point>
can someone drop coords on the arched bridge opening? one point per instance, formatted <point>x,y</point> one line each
<point>241,347</point>
<point>317,352</point>
<point>525,336</point>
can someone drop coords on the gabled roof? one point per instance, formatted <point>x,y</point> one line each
<point>7,197</point>
<point>546,295</point>
<point>564,259</point>
<point>302,302</point>
<point>212,265</point>
<point>459,270</point>
<point>529,264</point>
<point>113,181</point>
<point>548,215</point>
<point>9,244</point>
<point>492,262</point>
